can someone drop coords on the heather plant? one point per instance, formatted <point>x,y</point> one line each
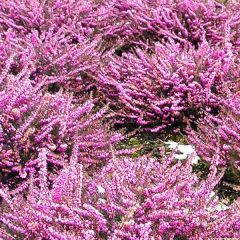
<point>170,86</point>
<point>162,201</point>
<point>70,70</point>
<point>166,64</point>
<point>53,37</point>
<point>51,214</point>
<point>219,136</point>
<point>126,24</point>
<point>25,16</point>
<point>32,118</point>
<point>52,58</point>
<point>122,201</point>
<point>147,89</point>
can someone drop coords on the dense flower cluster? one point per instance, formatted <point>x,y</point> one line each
<point>222,133</point>
<point>172,84</point>
<point>171,59</point>
<point>32,119</point>
<point>52,45</point>
<point>122,201</point>
<point>127,23</point>
<point>180,52</point>
<point>74,71</point>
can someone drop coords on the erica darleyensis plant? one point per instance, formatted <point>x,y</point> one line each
<point>171,85</point>
<point>128,23</point>
<point>51,36</point>
<point>52,58</point>
<point>219,136</point>
<point>24,16</point>
<point>122,201</point>
<point>165,62</point>
<point>32,118</point>
<point>69,70</point>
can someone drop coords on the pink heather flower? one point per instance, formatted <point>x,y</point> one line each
<point>158,200</point>
<point>32,119</point>
<point>220,136</point>
<point>71,71</point>
<point>172,85</point>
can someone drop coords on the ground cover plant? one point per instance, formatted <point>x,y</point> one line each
<point>119,119</point>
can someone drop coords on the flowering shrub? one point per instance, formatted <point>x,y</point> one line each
<point>171,59</point>
<point>222,133</point>
<point>32,119</point>
<point>72,69</point>
<point>161,200</point>
<point>155,85</point>
<point>24,16</point>
<point>51,59</point>
<point>123,201</point>
<point>168,86</point>
<point>51,39</point>
<point>124,24</point>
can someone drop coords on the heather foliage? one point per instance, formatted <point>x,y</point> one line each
<point>171,60</point>
<point>122,201</point>
<point>161,200</point>
<point>222,133</point>
<point>128,23</point>
<point>32,119</point>
<point>25,16</point>
<point>163,69</point>
<point>49,38</point>
<point>72,72</point>
<point>50,58</point>
<point>171,85</point>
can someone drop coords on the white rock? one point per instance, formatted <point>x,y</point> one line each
<point>100,189</point>
<point>101,200</point>
<point>172,145</point>
<point>222,207</point>
<point>212,194</point>
<point>195,160</point>
<point>186,149</point>
<point>180,156</point>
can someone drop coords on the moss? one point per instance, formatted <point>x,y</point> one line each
<point>134,141</point>
<point>223,1</point>
<point>150,143</point>
<point>227,192</point>
<point>202,168</point>
<point>136,155</point>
